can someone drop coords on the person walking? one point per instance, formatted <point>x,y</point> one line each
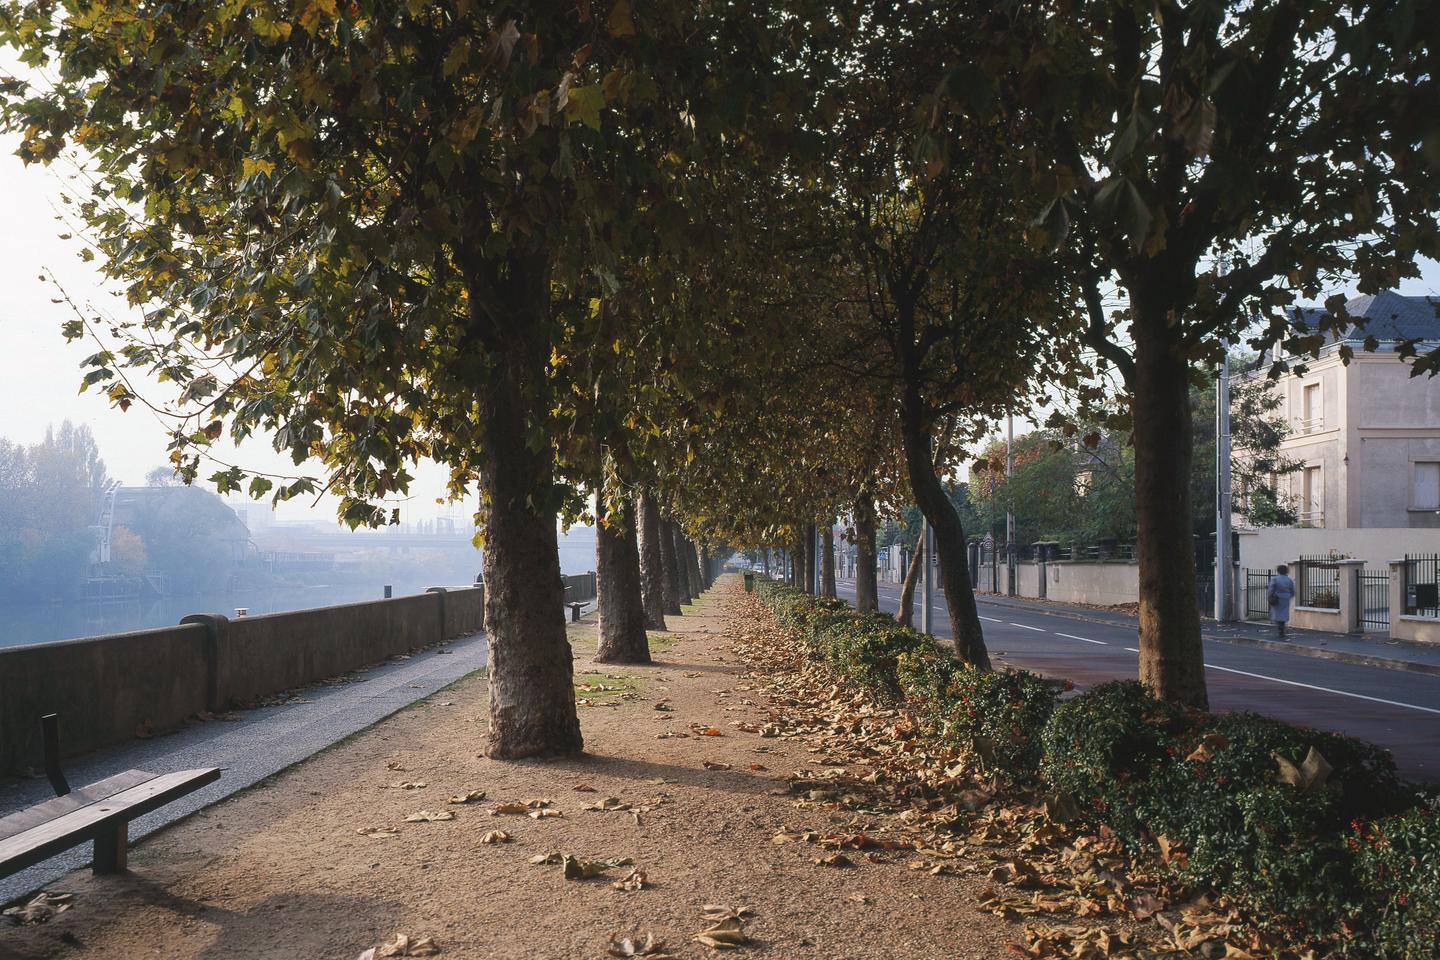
<point>1279,594</point>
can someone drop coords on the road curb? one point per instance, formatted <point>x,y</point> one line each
<point>1360,659</point>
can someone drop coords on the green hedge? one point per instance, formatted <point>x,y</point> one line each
<point>1314,832</point>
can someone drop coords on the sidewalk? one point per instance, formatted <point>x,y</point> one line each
<point>248,745</point>
<point>1373,650</point>
<point>701,804</point>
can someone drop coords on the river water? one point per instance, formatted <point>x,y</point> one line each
<point>40,623</point>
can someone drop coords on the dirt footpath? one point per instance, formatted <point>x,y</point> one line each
<point>321,862</point>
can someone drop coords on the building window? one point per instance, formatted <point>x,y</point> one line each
<point>1312,413</point>
<point>1312,496</point>
<point>1425,486</point>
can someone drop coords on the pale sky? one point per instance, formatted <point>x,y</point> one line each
<point>40,373</point>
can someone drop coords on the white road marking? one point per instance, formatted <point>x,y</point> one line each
<point>991,619</point>
<point>1341,693</point>
<point>1132,649</point>
<point>1026,626</point>
<point>1071,636</point>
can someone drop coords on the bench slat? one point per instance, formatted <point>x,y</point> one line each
<point>23,820</point>
<point>71,829</point>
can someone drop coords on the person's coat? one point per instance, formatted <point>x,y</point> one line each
<point>1279,594</point>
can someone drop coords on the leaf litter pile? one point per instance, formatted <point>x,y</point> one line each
<point>893,795</point>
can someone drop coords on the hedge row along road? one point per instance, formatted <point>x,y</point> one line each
<point>1398,710</point>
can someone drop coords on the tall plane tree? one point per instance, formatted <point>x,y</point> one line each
<point>346,225</point>
<point>1296,142</point>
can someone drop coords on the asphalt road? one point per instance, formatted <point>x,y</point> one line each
<point>1395,709</point>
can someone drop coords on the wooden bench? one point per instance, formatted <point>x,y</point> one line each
<point>100,812</point>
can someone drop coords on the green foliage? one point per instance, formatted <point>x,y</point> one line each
<point>1324,852</point>
<point>1000,715</point>
<point>1398,862</point>
<point>1103,747</point>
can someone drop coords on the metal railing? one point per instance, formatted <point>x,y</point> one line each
<point>1310,425</point>
<point>1257,606</point>
<point>1372,601</point>
<point>1319,585</point>
<point>1420,593</point>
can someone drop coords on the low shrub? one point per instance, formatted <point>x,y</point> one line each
<point>1102,752</point>
<point>1398,864</point>
<point>1314,832</point>
<point>1000,715</point>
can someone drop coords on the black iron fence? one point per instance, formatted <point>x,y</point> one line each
<point>1257,584</point>
<point>1319,583</point>
<point>1372,600</point>
<point>1421,591</point>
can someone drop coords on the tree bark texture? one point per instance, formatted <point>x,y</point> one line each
<point>707,567</point>
<point>950,548</point>
<point>1172,661</point>
<point>906,614</point>
<point>622,606</point>
<point>652,570</point>
<point>682,563</point>
<point>674,596</point>
<point>810,559</point>
<point>532,695</point>
<point>692,557</point>
<point>867,590</point>
<point>827,561</point>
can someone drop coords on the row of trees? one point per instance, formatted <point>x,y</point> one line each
<point>49,500</point>
<point>744,268</point>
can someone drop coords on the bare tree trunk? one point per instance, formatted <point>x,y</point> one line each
<point>692,568</point>
<point>682,572</point>
<point>1172,659</point>
<point>707,567</point>
<point>867,591</point>
<point>827,561</point>
<point>652,570</point>
<point>671,566</point>
<point>906,613</point>
<point>809,555</point>
<point>617,568</point>
<point>531,687</point>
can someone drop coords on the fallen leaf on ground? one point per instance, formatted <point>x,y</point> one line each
<point>395,765</point>
<point>715,765</point>
<point>627,947</point>
<point>725,935</point>
<point>403,946</point>
<point>377,832</point>
<point>758,766</point>
<point>583,788</point>
<point>715,912</point>
<point>577,869</point>
<point>553,856</point>
<point>706,731</point>
<point>430,816</point>
<point>40,908</point>
<point>544,812</point>
<point>509,808</point>
<point>413,785</point>
<point>835,860</point>
<point>634,880</point>
<point>496,836</point>
<point>608,805</point>
<point>473,796</point>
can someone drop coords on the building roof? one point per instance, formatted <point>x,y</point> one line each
<point>1386,316</point>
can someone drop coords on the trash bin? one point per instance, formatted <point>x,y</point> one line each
<point>749,583</point>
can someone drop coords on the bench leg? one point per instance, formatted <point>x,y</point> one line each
<point>111,848</point>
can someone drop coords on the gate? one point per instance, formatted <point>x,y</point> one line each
<point>1372,601</point>
<point>1256,586</point>
<point>1421,592</point>
<point>1319,584</point>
